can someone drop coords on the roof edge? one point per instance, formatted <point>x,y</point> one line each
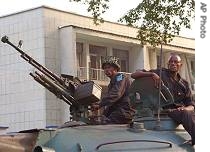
<point>94,30</point>
<point>56,9</point>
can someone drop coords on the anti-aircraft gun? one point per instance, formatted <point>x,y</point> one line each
<point>77,94</point>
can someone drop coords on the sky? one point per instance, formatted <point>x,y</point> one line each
<point>9,6</point>
<point>117,9</point>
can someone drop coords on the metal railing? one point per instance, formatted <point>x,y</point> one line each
<point>82,72</point>
<point>94,74</point>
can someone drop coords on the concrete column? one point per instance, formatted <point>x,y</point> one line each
<point>64,112</point>
<point>166,56</point>
<point>153,58</point>
<point>87,58</point>
<point>136,58</point>
<point>68,55</point>
<point>146,58</point>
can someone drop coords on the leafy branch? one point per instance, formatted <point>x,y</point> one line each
<point>96,7</point>
<point>158,21</point>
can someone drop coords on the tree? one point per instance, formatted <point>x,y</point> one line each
<point>158,21</point>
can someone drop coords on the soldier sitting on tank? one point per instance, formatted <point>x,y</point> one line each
<point>116,102</point>
<point>183,110</point>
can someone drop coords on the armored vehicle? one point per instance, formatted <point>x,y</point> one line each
<point>150,131</point>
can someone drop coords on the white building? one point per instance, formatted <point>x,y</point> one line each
<point>67,43</point>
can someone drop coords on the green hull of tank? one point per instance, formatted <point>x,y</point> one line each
<point>102,138</point>
<point>116,138</point>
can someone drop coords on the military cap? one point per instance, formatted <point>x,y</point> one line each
<point>111,60</point>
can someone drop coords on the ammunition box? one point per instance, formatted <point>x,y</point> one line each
<point>87,93</point>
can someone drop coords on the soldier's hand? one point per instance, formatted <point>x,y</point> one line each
<point>167,110</point>
<point>156,79</point>
<point>175,109</point>
<point>187,108</point>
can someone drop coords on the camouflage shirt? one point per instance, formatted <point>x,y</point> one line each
<point>116,101</point>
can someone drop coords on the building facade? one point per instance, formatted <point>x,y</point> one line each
<point>68,43</point>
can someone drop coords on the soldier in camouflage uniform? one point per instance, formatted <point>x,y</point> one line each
<point>116,102</point>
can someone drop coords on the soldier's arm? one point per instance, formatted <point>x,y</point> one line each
<point>144,73</point>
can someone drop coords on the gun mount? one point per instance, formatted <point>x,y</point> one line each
<point>77,94</point>
<point>144,95</point>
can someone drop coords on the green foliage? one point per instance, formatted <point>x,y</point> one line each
<point>158,21</point>
<point>96,7</point>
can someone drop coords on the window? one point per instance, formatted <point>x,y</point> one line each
<point>96,55</point>
<point>96,52</point>
<point>123,56</point>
